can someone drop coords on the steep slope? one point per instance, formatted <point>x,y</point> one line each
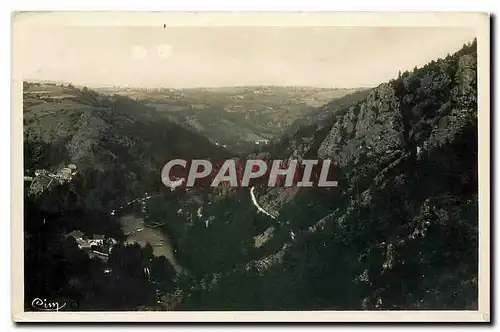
<point>314,126</point>
<point>401,229</point>
<point>87,154</point>
<point>118,145</point>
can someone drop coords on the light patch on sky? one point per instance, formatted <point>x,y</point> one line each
<point>180,57</point>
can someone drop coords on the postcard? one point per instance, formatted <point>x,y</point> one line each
<point>250,167</point>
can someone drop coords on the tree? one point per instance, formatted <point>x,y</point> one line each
<point>147,254</point>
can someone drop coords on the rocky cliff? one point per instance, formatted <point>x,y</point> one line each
<point>401,229</point>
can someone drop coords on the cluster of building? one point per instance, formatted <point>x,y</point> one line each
<point>262,141</point>
<point>63,175</point>
<point>98,246</point>
<point>44,179</point>
<point>265,90</point>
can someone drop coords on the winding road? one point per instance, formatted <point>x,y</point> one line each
<point>256,204</point>
<point>261,209</point>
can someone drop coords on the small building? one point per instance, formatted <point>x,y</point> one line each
<point>97,240</point>
<point>66,173</point>
<point>83,244</point>
<point>39,172</point>
<point>97,254</point>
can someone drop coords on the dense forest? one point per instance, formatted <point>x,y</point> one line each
<point>399,232</point>
<point>119,147</point>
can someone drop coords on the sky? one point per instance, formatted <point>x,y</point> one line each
<point>185,57</point>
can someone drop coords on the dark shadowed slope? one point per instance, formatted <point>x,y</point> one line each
<point>118,148</point>
<point>118,145</point>
<point>401,230</point>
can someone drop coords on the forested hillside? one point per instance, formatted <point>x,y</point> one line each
<point>401,229</point>
<point>235,117</point>
<point>118,148</point>
<point>118,144</point>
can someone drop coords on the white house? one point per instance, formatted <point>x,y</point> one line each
<point>98,240</point>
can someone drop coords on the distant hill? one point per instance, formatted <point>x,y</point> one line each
<point>236,117</point>
<point>85,155</point>
<point>119,144</point>
<point>400,232</point>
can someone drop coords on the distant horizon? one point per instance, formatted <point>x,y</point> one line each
<point>58,82</point>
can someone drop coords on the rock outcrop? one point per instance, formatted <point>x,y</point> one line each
<point>401,231</point>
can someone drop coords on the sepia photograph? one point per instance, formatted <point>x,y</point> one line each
<point>250,166</point>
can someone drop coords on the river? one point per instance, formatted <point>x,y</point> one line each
<point>135,229</point>
<point>138,232</point>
